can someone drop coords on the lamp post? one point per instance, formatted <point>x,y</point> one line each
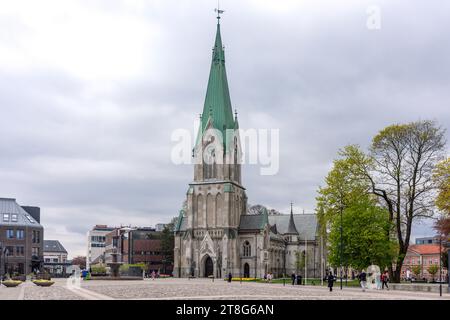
<point>440,265</point>
<point>1,253</point>
<point>340,253</point>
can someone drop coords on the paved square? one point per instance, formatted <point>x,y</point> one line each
<point>175,289</point>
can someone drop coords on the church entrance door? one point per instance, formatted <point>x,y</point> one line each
<point>209,266</point>
<point>246,271</point>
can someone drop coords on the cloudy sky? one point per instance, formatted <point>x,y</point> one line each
<point>91,91</point>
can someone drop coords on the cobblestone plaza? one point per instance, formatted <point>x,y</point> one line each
<point>179,289</point>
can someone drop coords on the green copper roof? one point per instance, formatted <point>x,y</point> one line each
<point>217,101</point>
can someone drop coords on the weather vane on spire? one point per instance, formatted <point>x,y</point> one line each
<point>219,12</point>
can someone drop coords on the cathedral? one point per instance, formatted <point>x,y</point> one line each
<point>216,234</point>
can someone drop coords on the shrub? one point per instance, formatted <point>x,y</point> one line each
<point>98,269</point>
<point>43,283</point>
<point>11,283</point>
<point>125,267</point>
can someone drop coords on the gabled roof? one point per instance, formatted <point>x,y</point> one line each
<point>422,249</point>
<point>54,246</point>
<point>252,222</point>
<point>10,211</point>
<point>306,224</point>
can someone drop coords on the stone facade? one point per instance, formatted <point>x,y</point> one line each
<point>215,235</point>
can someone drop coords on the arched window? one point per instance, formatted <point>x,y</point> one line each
<point>247,249</point>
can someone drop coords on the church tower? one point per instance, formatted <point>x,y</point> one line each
<point>215,198</point>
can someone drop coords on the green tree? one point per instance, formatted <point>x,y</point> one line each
<point>364,227</point>
<point>365,224</point>
<point>399,170</point>
<point>168,243</point>
<point>432,270</point>
<point>416,270</point>
<point>441,176</point>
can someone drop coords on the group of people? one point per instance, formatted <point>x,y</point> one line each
<point>296,278</point>
<point>152,275</point>
<point>380,280</point>
<point>268,277</point>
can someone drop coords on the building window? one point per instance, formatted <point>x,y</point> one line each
<point>55,260</point>
<point>35,251</point>
<point>36,236</point>
<point>47,259</point>
<point>6,217</point>
<point>20,234</point>
<point>10,234</point>
<point>9,251</point>
<point>20,251</point>
<point>247,249</point>
<point>14,217</point>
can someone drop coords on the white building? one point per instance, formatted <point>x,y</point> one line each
<point>96,243</point>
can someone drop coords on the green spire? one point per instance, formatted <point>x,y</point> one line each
<point>217,100</point>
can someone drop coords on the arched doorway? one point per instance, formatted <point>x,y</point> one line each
<point>246,271</point>
<point>209,267</point>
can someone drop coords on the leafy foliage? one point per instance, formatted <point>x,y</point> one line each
<point>365,224</point>
<point>364,241</point>
<point>441,176</point>
<point>433,269</point>
<point>399,172</point>
<point>416,270</point>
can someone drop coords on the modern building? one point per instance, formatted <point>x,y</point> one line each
<point>96,243</point>
<point>21,238</point>
<point>423,255</point>
<point>427,240</point>
<point>215,235</point>
<point>55,258</point>
<point>137,245</point>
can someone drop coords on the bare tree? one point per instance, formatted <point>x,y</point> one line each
<point>399,170</point>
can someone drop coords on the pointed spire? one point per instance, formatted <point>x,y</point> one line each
<point>291,227</point>
<point>217,94</point>
<point>265,218</point>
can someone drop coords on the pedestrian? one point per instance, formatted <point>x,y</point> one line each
<point>153,275</point>
<point>293,277</point>
<point>378,280</point>
<point>299,279</point>
<point>229,277</point>
<point>330,280</point>
<point>269,277</point>
<point>385,280</point>
<point>363,280</point>
<point>265,277</point>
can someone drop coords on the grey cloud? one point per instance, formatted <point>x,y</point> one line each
<point>89,156</point>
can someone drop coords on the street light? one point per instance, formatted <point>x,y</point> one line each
<point>1,253</point>
<point>440,264</point>
<point>340,255</point>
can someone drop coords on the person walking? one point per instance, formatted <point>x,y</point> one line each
<point>363,280</point>
<point>385,280</point>
<point>229,277</point>
<point>293,277</point>
<point>153,275</point>
<point>330,280</point>
<point>378,280</point>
